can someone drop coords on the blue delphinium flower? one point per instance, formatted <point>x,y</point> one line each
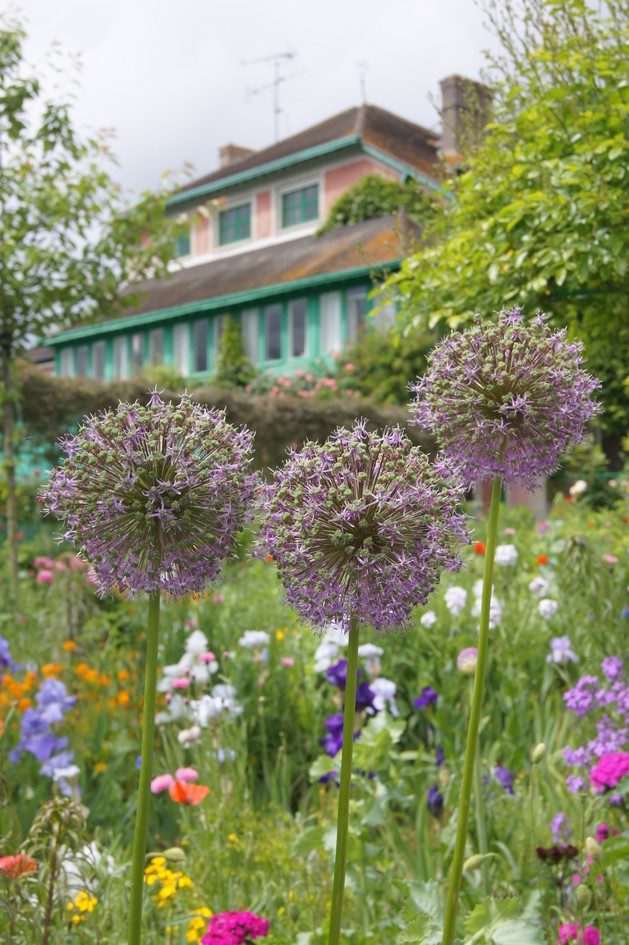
<point>505,777</point>
<point>435,801</point>
<point>6,660</point>
<point>428,697</point>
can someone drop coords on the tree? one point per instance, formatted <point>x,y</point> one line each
<point>67,245</point>
<point>539,212</point>
<point>233,367</point>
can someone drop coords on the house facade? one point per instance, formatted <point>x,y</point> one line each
<point>250,250</point>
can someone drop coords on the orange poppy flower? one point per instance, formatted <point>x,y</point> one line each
<point>542,559</point>
<point>18,865</point>
<point>479,548</point>
<point>191,794</point>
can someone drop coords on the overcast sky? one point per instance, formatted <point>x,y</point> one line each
<point>172,76</point>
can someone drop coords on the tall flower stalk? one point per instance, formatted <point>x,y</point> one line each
<point>504,401</point>
<point>153,496</point>
<point>361,528</point>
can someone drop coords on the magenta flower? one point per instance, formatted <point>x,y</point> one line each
<point>572,933</point>
<point>153,495</point>
<point>361,525</point>
<point>506,399</point>
<point>234,928</point>
<point>609,770</point>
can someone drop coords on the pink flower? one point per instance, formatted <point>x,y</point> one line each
<point>610,559</point>
<point>45,576</point>
<point>162,783</point>
<point>186,774</point>
<point>218,598</point>
<point>609,770</point>
<point>42,562</point>
<point>287,661</point>
<point>571,932</point>
<point>180,682</point>
<point>207,657</point>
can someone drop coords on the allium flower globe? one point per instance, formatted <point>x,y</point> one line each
<point>506,399</point>
<point>153,495</point>
<point>361,526</point>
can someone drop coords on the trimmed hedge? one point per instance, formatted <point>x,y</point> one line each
<point>51,407</point>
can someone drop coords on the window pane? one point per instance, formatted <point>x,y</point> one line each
<point>250,334</point>
<point>199,332</point>
<point>121,358</point>
<point>299,206</point>
<point>137,353</point>
<point>273,332</point>
<point>181,349</point>
<point>356,311</point>
<point>81,361</point>
<point>182,243</point>
<point>98,360</point>
<point>386,317</point>
<point>330,314</point>
<point>156,346</point>
<point>67,362</point>
<point>234,224</point>
<point>298,320</point>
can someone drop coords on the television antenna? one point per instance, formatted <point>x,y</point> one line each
<point>363,69</point>
<point>278,59</point>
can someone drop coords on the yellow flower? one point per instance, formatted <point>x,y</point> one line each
<point>279,635</point>
<point>83,903</point>
<point>100,766</point>
<point>197,924</point>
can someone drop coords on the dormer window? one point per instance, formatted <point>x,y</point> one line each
<point>234,224</point>
<point>300,206</point>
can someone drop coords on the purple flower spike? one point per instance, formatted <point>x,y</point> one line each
<point>153,496</point>
<point>428,697</point>
<point>435,801</point>
<point>361,526</point>
<point>505,777</point>
<point>506,399</point>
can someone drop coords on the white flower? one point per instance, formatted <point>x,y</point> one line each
<point>578,488</point>
<point>371,653</point>
<point>254,639</point>
<point>539,587</point>
<point>187,736</point>
<point>177,708</point>
<point>478,588</point>
<point>548,608</point>
<point>333,633</point>
<point>506,555</point>
<point>561,651</point>
<point>495,610</point>
<point>82,869</point>
<point>196,644</point>
<point>325,656</point>
<point>385,691</point>
<point>70,771</point>
<point>429,619</point>
<point>456,599</point>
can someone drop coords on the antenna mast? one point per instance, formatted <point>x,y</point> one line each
<point>277,61</point>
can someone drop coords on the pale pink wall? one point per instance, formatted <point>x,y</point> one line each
<point>338,179</point>
<point>201,236</point>
<point>262,224</point>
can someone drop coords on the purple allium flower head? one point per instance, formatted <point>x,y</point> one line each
<point>428,697</point>
<point>154,495</point>
<point>506,399</point>
<point>361,526</point>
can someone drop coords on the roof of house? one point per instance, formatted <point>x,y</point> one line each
<point>402,140</point>
<point>356,250</point>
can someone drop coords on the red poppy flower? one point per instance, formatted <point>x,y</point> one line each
<point>17,865</point>
<point>191,794</point>
<point>479,548</point>
<point>542,559</point>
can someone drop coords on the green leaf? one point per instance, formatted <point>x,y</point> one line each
<point>422,930</point>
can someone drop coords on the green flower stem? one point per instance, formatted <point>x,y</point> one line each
<point>342,823</point>
<point>481,829</point>
<point>456,870</point>
<point>144,789</point>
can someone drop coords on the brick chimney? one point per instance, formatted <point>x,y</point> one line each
<point>230,153</point>
<point>465,108</point>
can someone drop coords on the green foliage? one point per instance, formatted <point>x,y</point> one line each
<point>376,196</point>
<point>52,407</point>
<point>233,367</point>
<point>538,217</point>
<point>383,364</point>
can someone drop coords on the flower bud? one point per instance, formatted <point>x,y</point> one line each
<point>538,753</point>
<point>593,849</point>
<point>175,854</point>
<point>583,896</point>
